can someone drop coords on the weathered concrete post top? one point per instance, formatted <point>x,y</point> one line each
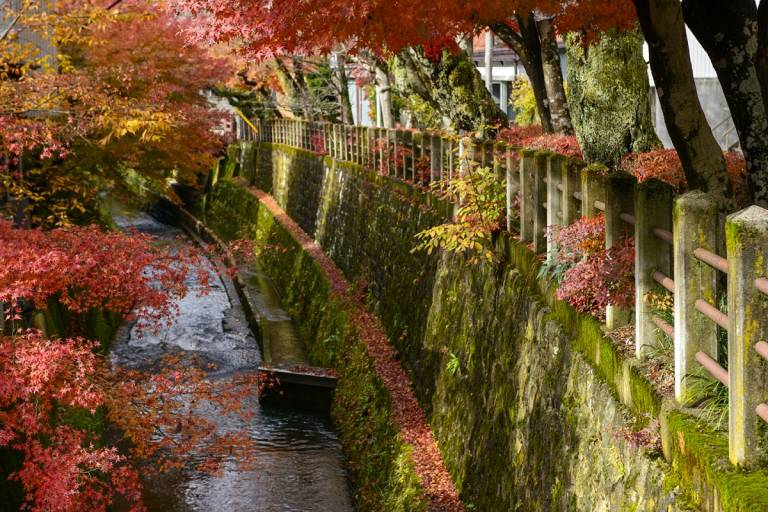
<point>747,243</point>
<point>694,227</point>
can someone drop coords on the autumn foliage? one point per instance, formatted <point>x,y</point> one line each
<point>591,276</point>
<point>272,27</point>
<point>664,165</point>
<point>47,384</point>
<point>86,267</point>
<point>123,99</point>
<point>531,137</point>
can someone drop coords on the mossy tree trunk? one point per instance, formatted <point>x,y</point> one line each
<point>536,45</point>
<point>383,88</point>
<point>341,83</point>
<point>452,86</point>
<point>729,32</point>
<point>608,96</point>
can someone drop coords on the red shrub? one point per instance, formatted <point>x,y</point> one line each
<point>664,165</point>
<point>594,277</point>
<point>531,137</point>
<point>566,145</point>
<point>519,136</point>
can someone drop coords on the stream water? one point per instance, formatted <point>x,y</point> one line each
<point>299,465</point>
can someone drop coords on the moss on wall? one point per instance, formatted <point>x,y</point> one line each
<point>528,399</point>
<point>378,460</point>
<point>380,218</point>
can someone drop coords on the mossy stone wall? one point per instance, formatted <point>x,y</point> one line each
<point>380,218</point>
<point>379,461</point>
<point>529,401</point>
<point>523,421</point>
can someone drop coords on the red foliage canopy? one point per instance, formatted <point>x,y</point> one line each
<point>664,165</point>
<point>269,27</point>
<point>85,267</point>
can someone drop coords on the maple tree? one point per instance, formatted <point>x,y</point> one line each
<point>122,97</point>
<point>47,384</point>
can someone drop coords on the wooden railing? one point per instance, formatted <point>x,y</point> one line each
<point>676,245</point>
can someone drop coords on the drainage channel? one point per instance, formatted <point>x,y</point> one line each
<point>298,464</point>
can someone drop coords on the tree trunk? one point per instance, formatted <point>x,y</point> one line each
<point>702,159</point>
<point>610,76</point>
<point>383,87</point>
<point>528,48</point>
<point>728,32</point>
<point>342,89</point>
<point>553,79</point>
<point>292,88</point>
<point>453,87</point>
<point>762,49</point>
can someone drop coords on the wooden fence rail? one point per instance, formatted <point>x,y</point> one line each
<point>676,245</point>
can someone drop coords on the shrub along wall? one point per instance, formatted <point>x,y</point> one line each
<point>529,402</point>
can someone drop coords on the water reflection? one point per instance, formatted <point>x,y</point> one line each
<point>298,464</point>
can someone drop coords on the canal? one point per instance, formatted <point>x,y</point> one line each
<point>298,464</point>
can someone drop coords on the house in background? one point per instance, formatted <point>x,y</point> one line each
<point>505,68</point>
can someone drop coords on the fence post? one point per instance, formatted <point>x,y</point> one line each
<point>434,158</point>
<point>554,202</point>
<point>746,234</point>
<point>384,150</point>
<point>527,194</point>
<point>360,132</point>
<point>513,185</point>
<point>592,190</point>
<point>540,203</point>
<point>653,205</point>
<point>694,225</point>
<point>571,185</point>
<point>619,199</point>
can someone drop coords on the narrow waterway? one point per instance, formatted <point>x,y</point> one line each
<point>298,464</point>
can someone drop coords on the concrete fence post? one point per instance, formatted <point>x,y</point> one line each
<point>370,144</point>
<point>571,182</point>
<point>434,158</point>
<point>554,202</point>
<point>361,145</point>
<point>360,142</point>
<point>653,210</point>
<point>592,190</point>
<point>619,200</point>
<point>512,169</point>
<point>694,225</point>
<point>540,202</point>
<point>527,194</point>
<point>345,142</point>
<point>746,234</point>
<point>417,141</point>
<point>397,154</point>
<point>385,151</point>
<point>408,153</point>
